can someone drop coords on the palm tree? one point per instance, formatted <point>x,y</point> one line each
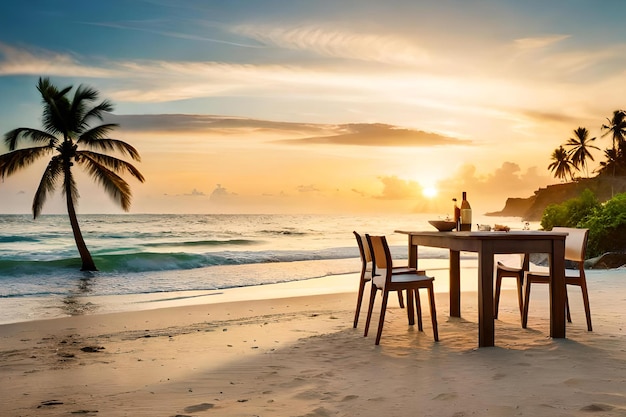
<point>66,126</point>
<point>562,166</point>
<point>616,127</point>
<point>580,145</point>
<point>612,161</point>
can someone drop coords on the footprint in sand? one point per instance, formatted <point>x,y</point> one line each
<point>350,397</point>
<point>446,396</point>
<point>198,407</point>
<point>597,407</point>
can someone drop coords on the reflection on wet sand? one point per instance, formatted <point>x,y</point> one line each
<point>73,303</point>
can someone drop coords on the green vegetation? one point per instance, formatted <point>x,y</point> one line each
<point>70,139</point>
<point>606,222</point>
<point>607,227</point>
<point>571,212</point>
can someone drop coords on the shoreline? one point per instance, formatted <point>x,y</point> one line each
<point>22,309</point>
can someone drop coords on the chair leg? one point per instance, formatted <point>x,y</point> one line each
<point>359,301</point>
<point>400,299</point>
<point>569,317</point>
<point>369,309</point>
<point>418,307</point>
<point>410,310</point>
<point>381,320</point>
<point>520,297</point>
<point>526,300</point>
<point>583,288</point>
<point>496,301</point>
<point>433,312</point>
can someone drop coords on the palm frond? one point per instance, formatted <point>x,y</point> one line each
<point>14,161</point>
<point>47,184</point>
<point>96,112</point>
<point>95,133</point>
<point>84,93</point>
<point>56,106</point>
<point>80,106</point>
<point>113,184</point>
<point>49,91</point>
<point>12,138</point>
<point>110,162</point>
<point>93,139</point>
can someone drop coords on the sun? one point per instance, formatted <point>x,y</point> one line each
<point>429,192</point>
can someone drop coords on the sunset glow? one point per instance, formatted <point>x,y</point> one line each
<point>315,106</point>
<point>430,192</point>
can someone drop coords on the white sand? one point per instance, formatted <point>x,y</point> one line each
<point>291,354</point>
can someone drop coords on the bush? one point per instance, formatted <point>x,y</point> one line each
<point>570,213</point>
<point>607,227</point>
<point>606,222</point>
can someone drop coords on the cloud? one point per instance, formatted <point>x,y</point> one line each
<point>487,192</point>
<point>339,43</point>
<point>395,188</point>
<point>539,42</point>
<point>221,194</point>
<point>196,193</point>
<point>308,188</point>
<point>20,61</point>
<point>493,188</point>
<point>162,81</point>
<point>361,134</point>
<point>203,123</point>
<point>157,27</point>
<point>541,117</point>
<point>378,134</point>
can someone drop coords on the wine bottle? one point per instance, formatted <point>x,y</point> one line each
<point>466,214</point>
<point>457,215</point>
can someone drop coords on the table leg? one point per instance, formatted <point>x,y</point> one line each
<point>455,283</point>
<point>557,289</point>
<point>412,254</point>
<point>486,327</point>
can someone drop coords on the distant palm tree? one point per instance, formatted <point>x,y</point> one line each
<point>613,161</point>
<point>66,127</point>
<point>580,145</point>
<point>561,165</point>
<point>616,126</point>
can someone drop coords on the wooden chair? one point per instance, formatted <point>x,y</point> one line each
<point>366,274</point>
<point>509,271</point>
<point>384,279</point>
<point>575,246</point>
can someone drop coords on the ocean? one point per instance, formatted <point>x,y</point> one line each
<point>163,253</point>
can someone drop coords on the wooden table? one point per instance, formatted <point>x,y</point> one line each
<point>487,244</point>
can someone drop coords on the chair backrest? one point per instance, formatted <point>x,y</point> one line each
<point>365,254</point>
<point>381,259</point>
<point>575,242</point>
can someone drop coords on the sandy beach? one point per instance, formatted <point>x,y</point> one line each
<point>275,351</point>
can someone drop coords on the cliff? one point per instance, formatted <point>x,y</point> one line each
<point>531,208</point>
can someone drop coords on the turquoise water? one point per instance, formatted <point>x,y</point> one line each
<point>141,253</point>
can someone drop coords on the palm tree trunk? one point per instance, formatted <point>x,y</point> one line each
<point>85,256</point>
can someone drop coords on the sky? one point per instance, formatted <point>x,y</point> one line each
<point>326,106</point>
